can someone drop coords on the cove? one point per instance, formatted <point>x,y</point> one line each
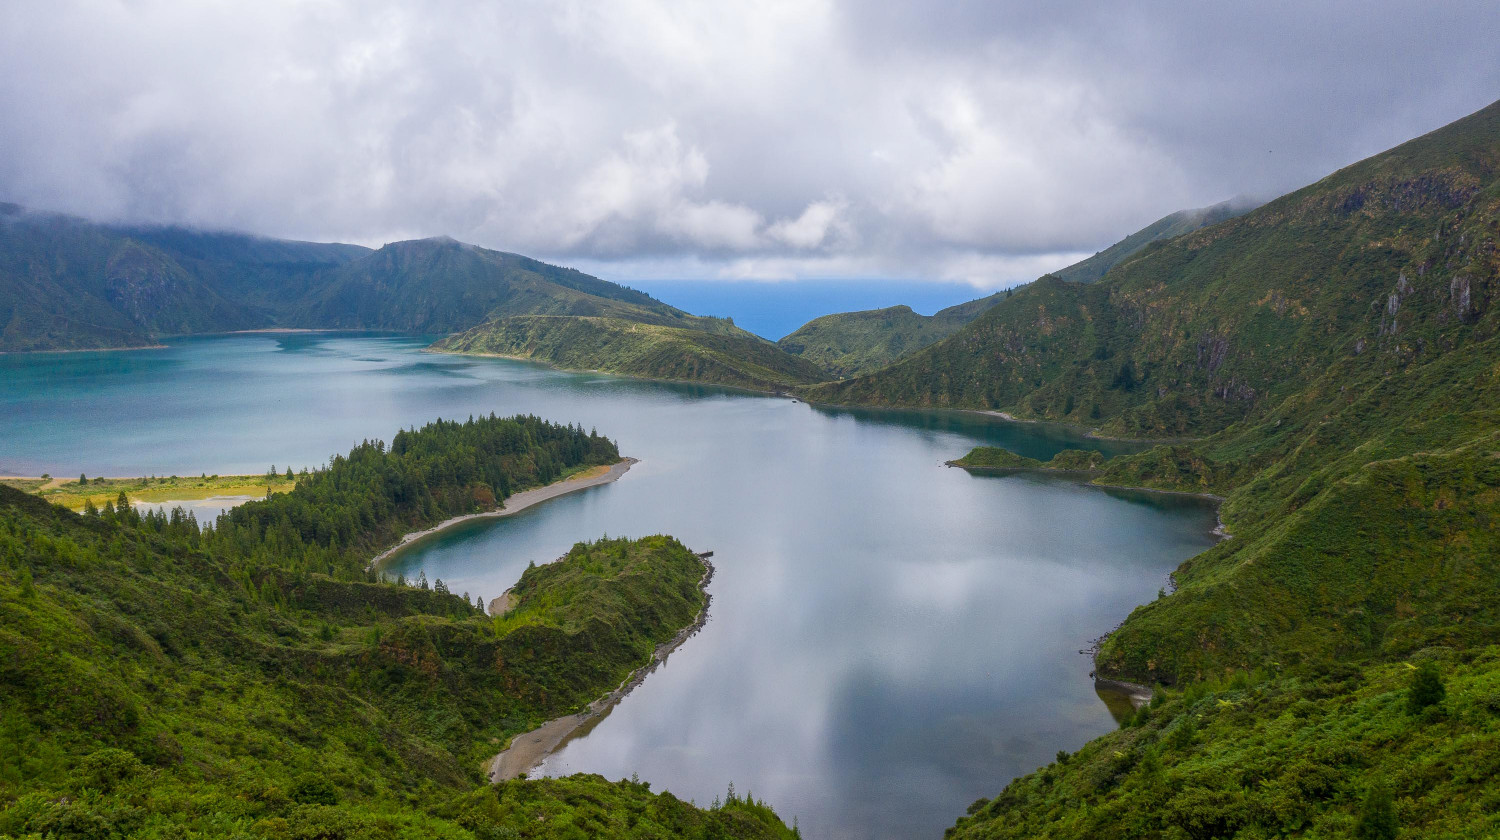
<point>890,639</point>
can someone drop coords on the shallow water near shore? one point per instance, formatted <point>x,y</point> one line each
<point>890,638</point>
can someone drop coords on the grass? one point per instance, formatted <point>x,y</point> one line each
<point>73,495</point>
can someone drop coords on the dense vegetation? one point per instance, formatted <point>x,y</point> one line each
<point>1262,756</point>
<point>160,679</point>
<point>367,499</point>
<point>628,347</point>
<point>1337,355</point>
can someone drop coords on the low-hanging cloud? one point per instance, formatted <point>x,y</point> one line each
<point>984,141</point>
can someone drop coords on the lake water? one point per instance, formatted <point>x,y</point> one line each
<point>890,639</point>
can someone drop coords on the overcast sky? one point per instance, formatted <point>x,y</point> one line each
<point>982,141</point>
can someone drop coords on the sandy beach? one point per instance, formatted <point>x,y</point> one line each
<point>516,503</point>
<point>528,749</point>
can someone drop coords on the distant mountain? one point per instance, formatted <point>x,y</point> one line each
<point>442,286</point>
<point>635,348</point>
<point>66,283</point>
<point>855,343</point>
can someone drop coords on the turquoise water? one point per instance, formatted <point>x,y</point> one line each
<point>890,639</point>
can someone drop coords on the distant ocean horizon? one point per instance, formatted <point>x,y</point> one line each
<point>775,309</point>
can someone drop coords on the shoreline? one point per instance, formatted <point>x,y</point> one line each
<point>119,349</point>
<point>1091,432</point>
<point>516,503</point>
<point>1212,497</point>
<point>270,330</point>
<point>529,749</point>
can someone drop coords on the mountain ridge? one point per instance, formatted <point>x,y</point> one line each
<point>852,344</point>
<point>69,283</point>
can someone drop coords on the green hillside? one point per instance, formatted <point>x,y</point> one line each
<point>850,344</point>
<point>1336,355</point>
<point>1182,222</point>
<point>68,284</point>
<point>1290,756</point>
<point>854,343</point>
<point>1374,265</point>
<point>443,286</point>
<point>158,679</point>
<point>621,346</point>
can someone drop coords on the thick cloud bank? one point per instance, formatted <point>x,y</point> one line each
<point>985,141</point>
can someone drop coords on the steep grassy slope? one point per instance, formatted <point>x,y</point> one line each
<point>850,344</point>
<point>1294,756</point>
<point>1168,227</point>
<point>1338,351</point>
<point>65,283</point>
<point>1388,261</point>
<point>626,347</point>
<point>855,343</point>
<point>158,680</point>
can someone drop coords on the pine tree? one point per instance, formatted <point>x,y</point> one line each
<point>1377,815</point>
<point>1426,688</point>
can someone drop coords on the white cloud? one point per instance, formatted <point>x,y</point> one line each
<point>821,222</point>
<point>948,138</point>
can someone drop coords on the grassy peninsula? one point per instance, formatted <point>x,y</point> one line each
<point>76,493</point>
<point>162,679</point>
<point>993,458</point>
<point>634,348</point>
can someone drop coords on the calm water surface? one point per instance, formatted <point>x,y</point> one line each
<point>890,639</point>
